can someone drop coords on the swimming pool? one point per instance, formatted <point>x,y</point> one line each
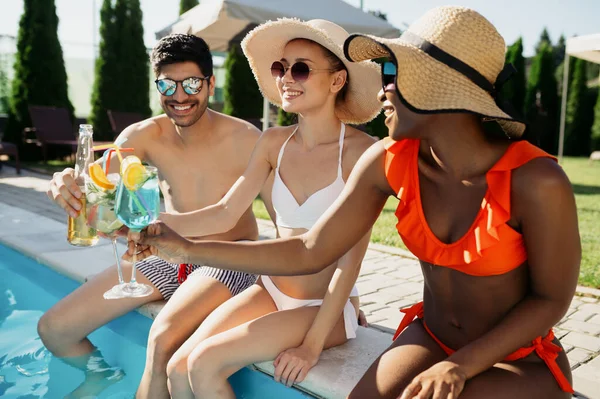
<point>28,370</point>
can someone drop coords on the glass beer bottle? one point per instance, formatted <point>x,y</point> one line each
<point>79,233</point>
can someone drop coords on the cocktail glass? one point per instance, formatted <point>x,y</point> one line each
<point>101,216</point>
<point>137,207</point>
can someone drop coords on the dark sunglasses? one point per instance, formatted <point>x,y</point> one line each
<point>191,85</point>
<point>388,73</point>
<point>300,70</point>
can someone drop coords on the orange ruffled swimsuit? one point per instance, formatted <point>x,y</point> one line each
<point>490,247</point>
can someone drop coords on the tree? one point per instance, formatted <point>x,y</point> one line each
<point>577,133</point>
<point>514,90</point>
<point>595,141</point>
<point>286,118</point>
<point>4,88</point>
<point>377,127</point>
<point>185,5</point>
<point>560,51</point>
<point>122,65</point>
<point>40,76</point>
<point>544,38</point>
<point>134,62</point>
<point>242,97</point>
<point>541,100</point>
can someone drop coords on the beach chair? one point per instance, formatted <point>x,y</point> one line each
<point>11,150</point>
<point>51,126</point>
<point>119,121</point>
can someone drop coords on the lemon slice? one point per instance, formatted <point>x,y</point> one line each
<point>99,178</point>
<point>129,160</point>
<point>133,173</point>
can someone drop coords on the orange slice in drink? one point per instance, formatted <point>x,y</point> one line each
<point>99,178</point>
<point>133,172</point>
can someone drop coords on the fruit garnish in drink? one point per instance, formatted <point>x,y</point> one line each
<point>133,172</point>
<point>99,178</point>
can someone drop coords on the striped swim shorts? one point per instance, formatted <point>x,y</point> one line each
<point>164,276</point>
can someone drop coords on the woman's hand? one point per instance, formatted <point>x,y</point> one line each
<point>159,240</point>
<point>292,365</point>
<point>444,380</point>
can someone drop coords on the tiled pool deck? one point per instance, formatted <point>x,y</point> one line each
<point>389,279</point>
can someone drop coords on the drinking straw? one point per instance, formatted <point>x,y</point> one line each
<point>118,151</point>
<point>136,197</point>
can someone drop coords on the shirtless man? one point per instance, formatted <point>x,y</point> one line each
<point>199,154</point>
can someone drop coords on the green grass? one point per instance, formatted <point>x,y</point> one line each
<point>585,178</point>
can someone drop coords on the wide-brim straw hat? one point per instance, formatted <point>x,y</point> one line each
<point>265,44</point>
<point>450,60</point>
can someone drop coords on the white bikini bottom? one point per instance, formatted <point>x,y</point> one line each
<point>285,302</point>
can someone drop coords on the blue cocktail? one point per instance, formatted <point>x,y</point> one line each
<point>137,205</point>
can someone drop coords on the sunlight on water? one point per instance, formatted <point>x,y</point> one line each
<point>29,371</point>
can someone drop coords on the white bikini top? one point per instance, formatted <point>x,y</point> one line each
<point>289,213</point>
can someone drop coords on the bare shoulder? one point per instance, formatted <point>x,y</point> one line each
<point>274,137</point>
<point>238,128</point>
<point>140,132</point>
<point>539,181</point>
<point>356,143</point>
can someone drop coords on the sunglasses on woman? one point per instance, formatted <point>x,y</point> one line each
<point>300,70</point>
<point>388,73</point>
<point>191,85</point>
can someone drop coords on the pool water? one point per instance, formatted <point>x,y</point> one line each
<point>29,371</point>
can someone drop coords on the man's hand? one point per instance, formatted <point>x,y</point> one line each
<point>65,192</point>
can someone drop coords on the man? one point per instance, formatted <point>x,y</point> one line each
<point>199,154</point>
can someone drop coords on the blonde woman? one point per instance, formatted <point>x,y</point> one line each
<point>301,67</point>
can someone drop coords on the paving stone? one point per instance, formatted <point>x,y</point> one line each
<point>379,297</point>
<point>402,303</point>
<point>566,316</point>
<point>372,307</point>
<point>583,341</point>
<point>391,318</point>
<point>406,272</point>
<point>594,320</point>
<point>404,289</point>
<point>575,303</point>
<point>582,315</point>
<point>578,355</point>
<point>581,326</point>
<point>590,307</point>
<point>559,332</point>
<point>588,299</point>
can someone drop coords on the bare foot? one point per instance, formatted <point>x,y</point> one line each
<point>96,382</point>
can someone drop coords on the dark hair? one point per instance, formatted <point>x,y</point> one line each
<point>178,48</point>
<point>336,66</point>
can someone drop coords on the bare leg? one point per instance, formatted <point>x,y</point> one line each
<point>220,349</point>
<point>181,316</point>
<point>415,351</point>
<point>248,305</point>
<point>64,328</point>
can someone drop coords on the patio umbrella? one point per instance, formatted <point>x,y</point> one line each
<point>221,22</point>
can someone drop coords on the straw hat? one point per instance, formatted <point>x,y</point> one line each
<point>265,44</point>
<point>450,60</point>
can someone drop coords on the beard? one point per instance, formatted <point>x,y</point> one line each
<point>185,118</point>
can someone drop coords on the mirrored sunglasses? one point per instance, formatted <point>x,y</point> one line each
<point>191,85</point>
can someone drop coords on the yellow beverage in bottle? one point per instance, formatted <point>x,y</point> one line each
<point>79,233</point>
